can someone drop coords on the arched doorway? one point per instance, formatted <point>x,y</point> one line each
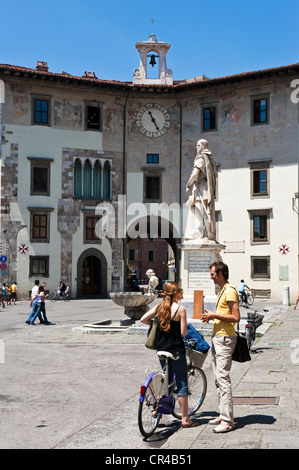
<point>146,250</point>
<point>92,274</point>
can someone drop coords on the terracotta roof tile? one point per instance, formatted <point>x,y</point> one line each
<point>200,80</point>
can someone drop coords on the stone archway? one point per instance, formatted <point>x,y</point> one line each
<point>88,257</point>
<point>160,228</point>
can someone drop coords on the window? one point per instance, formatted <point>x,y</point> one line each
<point>260,110</point>
<point>77,179</point>
<point>152,158</point>
<point>131,254</point>
<point>41,110</point>
<point>260,178</point>
<point>40,224</point>
<point>39,266</point>
<point>87,178</point>
<point>260,182</point>
<point>90,233</point>
<point>152,183</point>
<point>39,180</point>
<point>260,267</point>
<point>209,118</point>
<point>260,226</point>
<point>93,116</point>
<point>90,228</point>
<point>106,181</point>
<point>150,255</point>
<point>40,176</point>
<point>92,178</point>
<point>152,188</point>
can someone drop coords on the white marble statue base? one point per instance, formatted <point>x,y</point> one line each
<point>197,256</point>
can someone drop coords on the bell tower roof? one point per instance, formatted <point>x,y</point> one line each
<point>152,49</point>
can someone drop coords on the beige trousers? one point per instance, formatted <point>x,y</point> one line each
<point>222,350</point>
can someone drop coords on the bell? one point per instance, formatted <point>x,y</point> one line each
<point>153,60</point>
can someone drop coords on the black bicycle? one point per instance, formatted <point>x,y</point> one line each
<point>254,320</point>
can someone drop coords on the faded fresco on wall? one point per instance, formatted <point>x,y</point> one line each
<point>231,114</point>
<point>20,105</point>
<point>67,115</point>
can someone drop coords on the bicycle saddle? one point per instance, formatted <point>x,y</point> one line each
<point>166,354</point>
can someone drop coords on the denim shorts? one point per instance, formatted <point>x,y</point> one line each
<point>179,368</point>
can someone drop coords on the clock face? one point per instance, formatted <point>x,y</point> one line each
<point>153,120</point>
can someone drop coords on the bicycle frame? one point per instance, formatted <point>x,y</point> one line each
<point>166,403</point>
<point>254,320</point>
<point>145,385</point>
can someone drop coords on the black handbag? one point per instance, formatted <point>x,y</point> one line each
<point>241,352</point>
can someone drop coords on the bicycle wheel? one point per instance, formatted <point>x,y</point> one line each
<point>53,296</point>
<point>150,395</point>
<point>250,299</point>
<point>67,298</point>
<point>197,389</point>
<point>240,300</point>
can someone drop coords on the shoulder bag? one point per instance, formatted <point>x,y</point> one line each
<point>152,332</point>
<point>241,352</point>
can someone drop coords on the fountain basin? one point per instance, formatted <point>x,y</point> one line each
<point>135,304</point>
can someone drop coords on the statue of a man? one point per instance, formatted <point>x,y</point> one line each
<point>153,280</point>
<point>201,188</point>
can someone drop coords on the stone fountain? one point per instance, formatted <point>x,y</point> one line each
<point>135,304</point>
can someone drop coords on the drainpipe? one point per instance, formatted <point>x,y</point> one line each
<point>178,252</point>
<point>125,191</point>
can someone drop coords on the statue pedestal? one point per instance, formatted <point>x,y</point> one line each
<point>197,256</point>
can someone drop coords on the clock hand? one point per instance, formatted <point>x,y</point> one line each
<point>153,120</point>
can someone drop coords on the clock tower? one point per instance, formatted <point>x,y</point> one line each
<point>152,54</point>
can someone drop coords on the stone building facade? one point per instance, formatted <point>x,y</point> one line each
<point>80,152</point>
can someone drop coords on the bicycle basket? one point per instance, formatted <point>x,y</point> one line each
<point>195,358</point>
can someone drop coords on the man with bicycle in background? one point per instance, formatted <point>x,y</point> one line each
<point>61,288</point>
<point>242,290</point>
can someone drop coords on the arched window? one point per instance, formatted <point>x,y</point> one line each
<point>106,181</point>
<point>97,180</point>
<point>87,179</point>
<point>92,180</point>
<point>77,178</point>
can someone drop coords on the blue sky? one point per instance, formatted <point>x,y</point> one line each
<point>215,38</point>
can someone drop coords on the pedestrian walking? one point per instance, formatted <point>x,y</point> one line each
<point>224,340</point>
<point>36,306</point>
<point>3,295</point>
<point>43,307</point>
<point>14,290</point>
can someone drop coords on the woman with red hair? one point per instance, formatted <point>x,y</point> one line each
<point>172,328</point>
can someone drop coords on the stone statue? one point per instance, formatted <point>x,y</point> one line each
<point>153,280</point>
<point>201,188</point>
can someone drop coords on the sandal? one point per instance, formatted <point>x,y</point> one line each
<point>220,429</point>
<point>190,425</point>
<point>215,421</point>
